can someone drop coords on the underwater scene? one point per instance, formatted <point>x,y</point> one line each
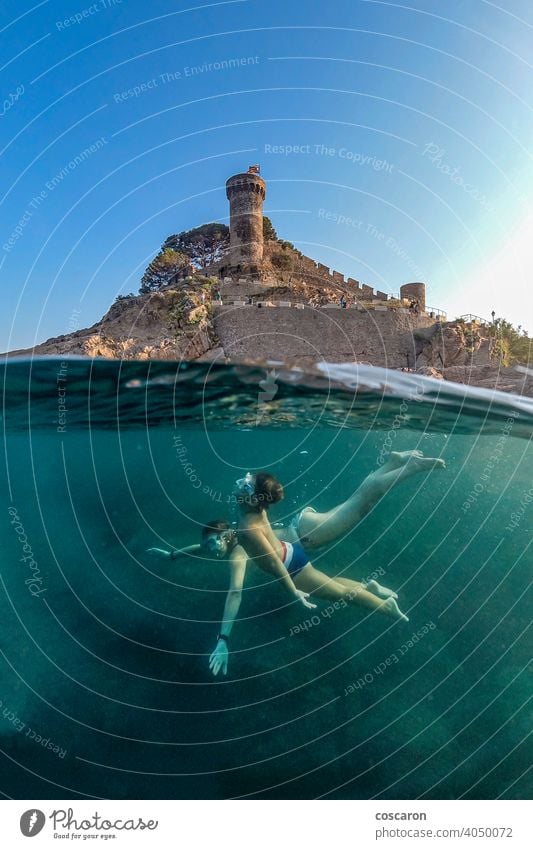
<point>107,684</point>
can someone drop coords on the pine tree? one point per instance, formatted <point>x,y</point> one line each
<point>204,245</point>
<point>162,269</point>
<point>269,234</point>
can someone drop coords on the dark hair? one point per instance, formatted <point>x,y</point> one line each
<point>267,490</point>
<point>215,527</point>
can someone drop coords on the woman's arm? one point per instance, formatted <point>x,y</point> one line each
<point>237,563</point>
<point>219,658</point>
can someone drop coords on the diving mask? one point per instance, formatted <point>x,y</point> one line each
<point>218,542</point>
<point>246,485</point>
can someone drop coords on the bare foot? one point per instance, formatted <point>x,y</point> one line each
<point>415,461</point>
<point>391,609</point>
<point>377,589</point>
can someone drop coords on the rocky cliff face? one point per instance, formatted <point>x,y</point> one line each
<point>451,344</point>
<point>462,353</point>
<point>172,324</point>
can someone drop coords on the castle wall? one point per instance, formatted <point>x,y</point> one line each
<point>246,193</point>
<point>317,272</point>
<point>353,284</point>
<point>379,338</point>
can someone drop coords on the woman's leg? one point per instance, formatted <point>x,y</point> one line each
<point>317,583</point>
<point>371,586</point>
<point>318,529</point>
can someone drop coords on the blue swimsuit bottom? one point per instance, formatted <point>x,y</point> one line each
<point>294,557</point>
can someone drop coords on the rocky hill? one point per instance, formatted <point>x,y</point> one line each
<point>172,324</point>
<point>186,320</point>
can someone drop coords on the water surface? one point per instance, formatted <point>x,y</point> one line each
<point>105,686</point>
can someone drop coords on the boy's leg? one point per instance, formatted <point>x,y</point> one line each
<point>318,529</point>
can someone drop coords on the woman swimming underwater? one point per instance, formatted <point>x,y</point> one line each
<point>283,553</point>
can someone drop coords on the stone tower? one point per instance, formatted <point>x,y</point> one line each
<point>246,193</point>
<point>416,291</point>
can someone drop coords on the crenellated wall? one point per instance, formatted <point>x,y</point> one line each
<point>317,271</point>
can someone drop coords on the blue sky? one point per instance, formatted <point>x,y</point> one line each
<point>395,141</point>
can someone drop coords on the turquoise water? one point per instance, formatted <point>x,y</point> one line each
<point>105,687</point>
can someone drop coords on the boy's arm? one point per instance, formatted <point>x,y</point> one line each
<point>219,658</point>
<point>164,554</point>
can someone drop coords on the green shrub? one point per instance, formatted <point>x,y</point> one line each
<point>511,345</point>
<point>282,260</point>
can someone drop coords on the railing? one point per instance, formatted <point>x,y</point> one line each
<point>470,317</point>
<point>433,311</point>
<point>361,305</point>
<point>395,302</point>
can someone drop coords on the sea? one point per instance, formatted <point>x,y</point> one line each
<point>105,686</point>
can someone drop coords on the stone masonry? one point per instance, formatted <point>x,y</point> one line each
<point>246,193</point>
<point>310,335</point>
